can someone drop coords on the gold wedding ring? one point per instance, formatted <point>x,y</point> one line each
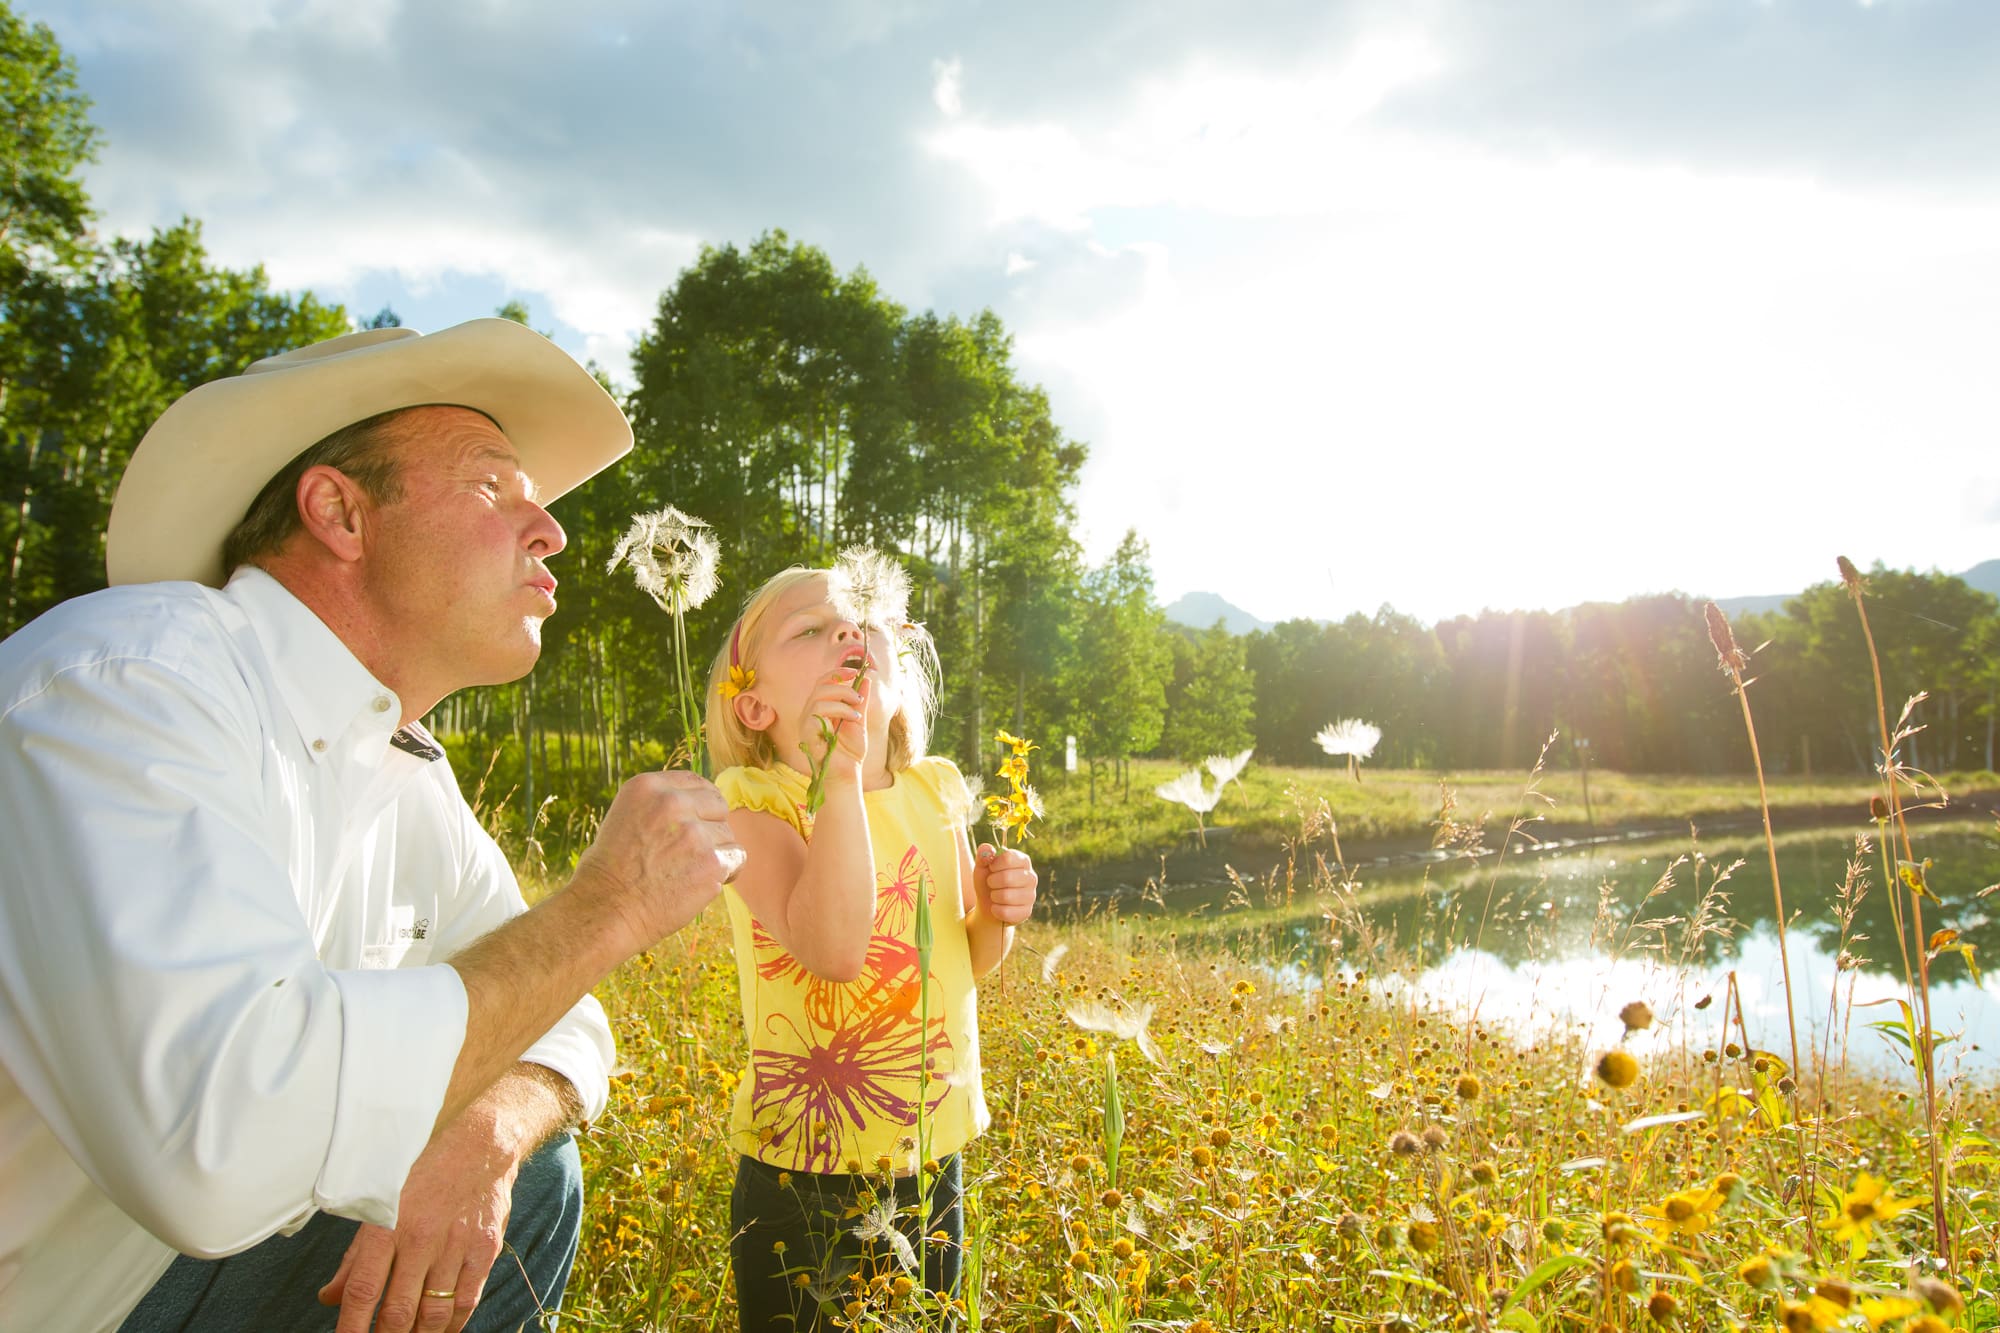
<point>440,1295</point>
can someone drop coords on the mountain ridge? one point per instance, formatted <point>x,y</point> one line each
<point>1200,610</point>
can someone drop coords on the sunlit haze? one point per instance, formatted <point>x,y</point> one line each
<point>1446,305</point>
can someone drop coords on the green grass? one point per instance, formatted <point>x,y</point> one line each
<point>1272,802</point>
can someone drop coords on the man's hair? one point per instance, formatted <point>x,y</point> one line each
<point>364,453</point>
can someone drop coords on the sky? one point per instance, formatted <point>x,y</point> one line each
<point>1441,304</point>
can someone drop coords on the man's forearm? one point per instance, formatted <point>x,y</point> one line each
<point>520,980</point>
<point>527,1106</point>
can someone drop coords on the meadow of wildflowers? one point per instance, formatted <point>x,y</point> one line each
<point>1333,1154</point>
<point>1206,1122</point>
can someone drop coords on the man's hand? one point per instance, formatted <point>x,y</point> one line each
<point>449,1228</point>
<point>1003,881</point>
<point>663,852</point>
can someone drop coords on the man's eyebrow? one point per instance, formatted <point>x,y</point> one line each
<point>500,453</point>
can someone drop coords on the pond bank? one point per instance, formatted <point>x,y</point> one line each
<point>1187,865</point>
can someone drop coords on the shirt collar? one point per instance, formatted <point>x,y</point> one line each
<point>323,684</point>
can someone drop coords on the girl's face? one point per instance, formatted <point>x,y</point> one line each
<point>803,638</point>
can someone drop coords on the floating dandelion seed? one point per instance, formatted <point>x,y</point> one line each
<point>878,1222</point>
<point>869,588</point>
<point>1123,1022</point>
<point>1228,768</point>
<point>1190,790</point>
<point>1351,737</point>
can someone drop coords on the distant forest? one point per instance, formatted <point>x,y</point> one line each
<point>801,410</point>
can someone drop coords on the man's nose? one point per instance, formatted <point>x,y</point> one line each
<point>544,535</point>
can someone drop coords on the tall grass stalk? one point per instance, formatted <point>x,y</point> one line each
<point>1926,1066</point>
<point>1733,661</point>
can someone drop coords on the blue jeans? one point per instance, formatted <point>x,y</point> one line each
<point>276,1285</point>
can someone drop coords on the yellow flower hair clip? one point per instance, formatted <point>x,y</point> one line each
<point>740,679</point>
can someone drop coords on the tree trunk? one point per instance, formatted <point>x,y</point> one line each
<point>7,625</point>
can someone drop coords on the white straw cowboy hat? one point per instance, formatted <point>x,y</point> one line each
<point>193,477</point>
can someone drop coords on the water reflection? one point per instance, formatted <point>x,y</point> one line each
<point>1562,940</point>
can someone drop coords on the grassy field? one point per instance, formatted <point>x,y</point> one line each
<point>1329,1155</point>
<point>1270,803</point>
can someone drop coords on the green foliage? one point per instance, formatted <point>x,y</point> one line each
<point>1117,682</point>
<point>1212,706</point>
<point>102,352</point>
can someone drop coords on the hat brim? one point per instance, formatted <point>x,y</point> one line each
<point>194,475</point>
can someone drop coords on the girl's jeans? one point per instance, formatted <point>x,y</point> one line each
<point>815,1219</point>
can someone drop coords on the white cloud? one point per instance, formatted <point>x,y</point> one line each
<point>1585,302</point>
<point>947,86</point>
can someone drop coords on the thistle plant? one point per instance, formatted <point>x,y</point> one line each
<point>674,557</point>
<point>1351,737</point>
<point>871,591</point>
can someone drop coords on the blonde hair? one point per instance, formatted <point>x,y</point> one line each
<point>732,745</point>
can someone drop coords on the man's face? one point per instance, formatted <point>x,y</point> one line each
<point>455,564</point>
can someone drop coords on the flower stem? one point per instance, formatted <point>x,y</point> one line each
<point>1927,1069</point>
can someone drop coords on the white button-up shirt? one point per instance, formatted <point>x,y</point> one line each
<point>225,901</point>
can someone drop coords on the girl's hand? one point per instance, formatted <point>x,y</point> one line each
<point>1003,880</point>
<point>839,705</point>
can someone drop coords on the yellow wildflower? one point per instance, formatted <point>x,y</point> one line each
<point>1618,1069</point>
<point>741,678</point>
<point>1867,1203</point>
<point>1687,1212</point>
<point>1880,1310</point>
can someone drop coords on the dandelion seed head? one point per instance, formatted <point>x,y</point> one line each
<point>1349,736</point>
<point>869,588</point>
<point>674,558</point>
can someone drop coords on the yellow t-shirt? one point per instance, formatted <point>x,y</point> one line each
<point>834,1066</point>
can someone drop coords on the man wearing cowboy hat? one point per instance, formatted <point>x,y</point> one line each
<point>267,990</point>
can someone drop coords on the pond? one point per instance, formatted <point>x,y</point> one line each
<point>1564,937</point>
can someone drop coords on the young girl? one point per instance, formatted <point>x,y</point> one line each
<point>846,1038</point>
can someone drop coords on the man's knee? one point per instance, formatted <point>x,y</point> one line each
<point>543,1227</point>
<point>548,1191</point>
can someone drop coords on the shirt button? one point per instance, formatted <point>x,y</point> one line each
<point>381,703</point>
<point>319,745</point>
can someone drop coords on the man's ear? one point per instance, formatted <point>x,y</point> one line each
<point>333,510</point>
<point>753,712</point>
